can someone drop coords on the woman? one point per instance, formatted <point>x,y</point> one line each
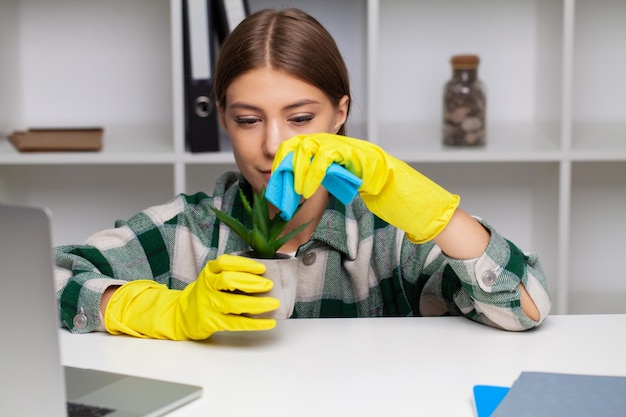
<point>402,247</point>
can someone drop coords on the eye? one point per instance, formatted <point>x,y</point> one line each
<point>301,119</point>
<point>246,121</point>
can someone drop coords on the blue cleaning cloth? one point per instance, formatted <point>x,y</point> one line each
<point>280,189</point>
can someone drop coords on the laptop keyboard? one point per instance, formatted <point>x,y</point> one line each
<point>83,410</point>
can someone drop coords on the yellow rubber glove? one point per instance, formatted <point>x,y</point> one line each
<point>212,303</point>
<point>391,189</point>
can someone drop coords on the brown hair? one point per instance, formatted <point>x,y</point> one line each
<point>289,40</point>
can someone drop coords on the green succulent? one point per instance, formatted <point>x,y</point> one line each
<point>265,236</point>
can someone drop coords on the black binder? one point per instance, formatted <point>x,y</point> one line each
<point>228,14</point>
<point>201,116</point>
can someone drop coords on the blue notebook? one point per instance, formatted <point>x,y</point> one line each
<point>487,398</point>
<point>545,394</point>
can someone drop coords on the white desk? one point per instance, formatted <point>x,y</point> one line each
<point>357,367</point>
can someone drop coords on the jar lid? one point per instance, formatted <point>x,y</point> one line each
<point>464,61</point>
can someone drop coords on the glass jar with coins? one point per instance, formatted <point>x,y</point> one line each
<point>464,104</point>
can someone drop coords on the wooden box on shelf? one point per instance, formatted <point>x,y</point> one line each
<point>58,139</point>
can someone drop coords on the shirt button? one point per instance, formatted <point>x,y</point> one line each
<point>309,258</point>
<point>80,320</point>
<point>489,278</point>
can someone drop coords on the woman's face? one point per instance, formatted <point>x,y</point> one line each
<point>265,107</point>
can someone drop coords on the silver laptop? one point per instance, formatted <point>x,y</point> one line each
<point>34,383</point>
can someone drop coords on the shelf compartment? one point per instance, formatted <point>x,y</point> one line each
<point>86,199</point>
<point>420,37</point>
<point>597,243</point>
<point>599,89</point>
<point>102,64</point>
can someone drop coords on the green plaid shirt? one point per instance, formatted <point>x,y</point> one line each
<point>354,265</point>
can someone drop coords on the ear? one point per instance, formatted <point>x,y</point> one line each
<point>341,114</point>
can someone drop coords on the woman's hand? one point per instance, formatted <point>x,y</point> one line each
<point>214,302</point>
<point>391,189</point>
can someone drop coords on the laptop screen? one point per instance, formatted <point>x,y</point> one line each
<point>34,381</point>
<point>30,359</point>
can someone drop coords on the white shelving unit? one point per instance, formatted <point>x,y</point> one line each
<point>552,176</point>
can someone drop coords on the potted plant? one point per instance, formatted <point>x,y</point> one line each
<point>265,238</point>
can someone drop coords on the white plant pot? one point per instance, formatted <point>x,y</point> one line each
<point>281,270</point>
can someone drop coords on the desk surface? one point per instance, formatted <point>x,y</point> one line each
<point>350,367</point>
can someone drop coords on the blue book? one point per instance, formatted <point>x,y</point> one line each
<point>487,398</point>
<point>545,394</point>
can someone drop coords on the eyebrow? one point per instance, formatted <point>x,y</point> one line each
<point>300,103</point>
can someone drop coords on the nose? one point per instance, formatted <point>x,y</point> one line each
<point>274,136</point>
